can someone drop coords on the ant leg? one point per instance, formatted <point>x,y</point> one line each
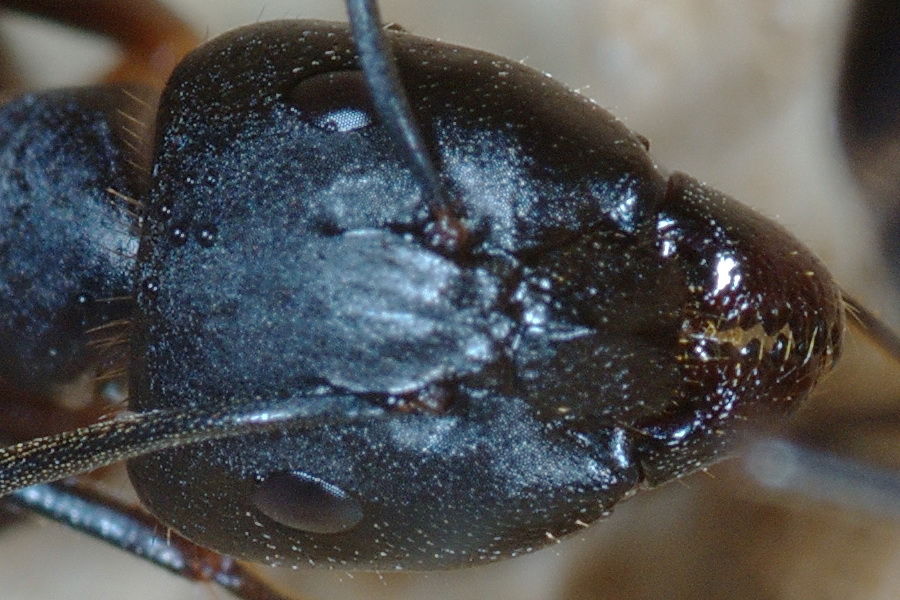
<point>152,37</point>
<point>80,506</point>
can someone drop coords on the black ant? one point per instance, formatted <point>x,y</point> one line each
<point>446,230</point>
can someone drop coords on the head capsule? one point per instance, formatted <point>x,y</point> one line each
<point>529,381</point>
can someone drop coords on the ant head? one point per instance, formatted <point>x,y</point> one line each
<point>361,344</point>
<point>528,378</point>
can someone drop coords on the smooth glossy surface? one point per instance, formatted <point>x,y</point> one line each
<point>337,102</point>
<point>306,503</point>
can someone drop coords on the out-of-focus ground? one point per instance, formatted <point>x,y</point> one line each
<point>739,94</point>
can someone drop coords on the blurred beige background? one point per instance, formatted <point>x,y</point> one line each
<point>739,94</point>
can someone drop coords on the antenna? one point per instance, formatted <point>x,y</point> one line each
<point>380,69</point>
<point>131,435</point>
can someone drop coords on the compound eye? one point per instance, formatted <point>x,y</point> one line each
<point>336,102</point>
<point>301,501</point>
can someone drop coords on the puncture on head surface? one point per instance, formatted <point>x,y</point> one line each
<point>507,267</point>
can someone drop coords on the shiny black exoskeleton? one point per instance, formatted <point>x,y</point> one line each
<point>535,378</point>
<point>597,325</point>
